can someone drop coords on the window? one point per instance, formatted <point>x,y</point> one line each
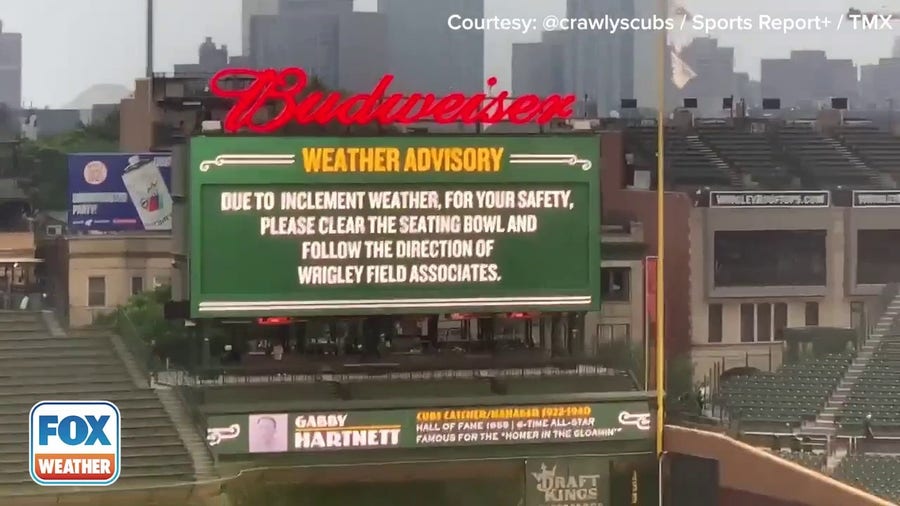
<point>764,322</point>
<point>769,258</point>
<point>748,323</point>
<point>812,314</point>
<point>96,291</point>
<point>715,323</point>
<point>159,281</point>
<point>876,259</point>
<point>137,285</point>
<point>614,333</point>
<point>614,283</point>
<point>780,320</point>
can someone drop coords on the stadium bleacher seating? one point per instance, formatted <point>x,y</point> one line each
<point>879,149</point>
<point>810,460</point>
<point>877,474</point>
<point>877,391</point>
<point>823,162</point>
<point>750,154</point>
<point>791,155</point>
<point>690,162</point>
<point>796,392</point>
<point>37,366</point>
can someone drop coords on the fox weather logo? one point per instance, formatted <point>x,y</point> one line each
<point>74,443</point>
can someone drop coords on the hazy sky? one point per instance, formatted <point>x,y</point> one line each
<point>71,44</point>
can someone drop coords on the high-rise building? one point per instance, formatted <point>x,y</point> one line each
<point>714,78</point>
<point>646,49</point>
<point>342,48</point>
<point>878,84</point>
<point>10,69</point>
<point>250,8</point>
<point>602,63</point>
<point>425,55</point>
<point>210,59</point>
<point>539,67</point>
<point>808,79</point>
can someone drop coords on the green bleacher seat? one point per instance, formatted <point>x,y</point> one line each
<point>794,393</point>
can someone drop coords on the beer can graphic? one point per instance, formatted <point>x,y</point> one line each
<point>149,193</point>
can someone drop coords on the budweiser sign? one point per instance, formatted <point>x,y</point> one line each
<point>287,90</point>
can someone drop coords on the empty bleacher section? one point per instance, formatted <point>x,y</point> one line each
<point>876,392</point>
<point>35,366</point>
<point>822,162</point>
<point>809,460</point>
<point>690,162</point>
<point>877,474</point>
<point>772,155</point>
<point>786,398</point>
<point>877,148</point>
<point>751,154</point>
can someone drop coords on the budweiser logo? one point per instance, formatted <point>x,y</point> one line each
<point>285,89</point>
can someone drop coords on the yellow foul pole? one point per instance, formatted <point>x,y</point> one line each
<point>660,235</point>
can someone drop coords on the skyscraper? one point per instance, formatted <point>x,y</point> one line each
<point>342,48</point>
<point>602,63</point>
<point>250,8</point>
<point>10,69</point>
<point>425,55</point>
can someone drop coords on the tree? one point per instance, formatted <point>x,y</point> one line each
<point>142,320</point>
<point>44,162</point>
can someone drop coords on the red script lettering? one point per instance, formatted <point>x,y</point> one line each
<point>284,88</point>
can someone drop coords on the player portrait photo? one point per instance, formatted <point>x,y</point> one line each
<point>267,433</point>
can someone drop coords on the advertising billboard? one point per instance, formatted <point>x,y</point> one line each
<point>427,428</point>
<point>251,91</point>
<point>352,225</point>
<point>118,192</point>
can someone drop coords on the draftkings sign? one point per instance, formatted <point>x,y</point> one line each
<point>427,428</point>
<point>567,481</point>
<point>349,225</point>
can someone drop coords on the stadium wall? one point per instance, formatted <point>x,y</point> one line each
<point>749,475</point>
<point>625,204</point>
<point>832,300</point>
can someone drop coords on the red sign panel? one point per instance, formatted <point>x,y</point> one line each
<point>650,288</point>
<point>285,88</point>
<point>274,320</point>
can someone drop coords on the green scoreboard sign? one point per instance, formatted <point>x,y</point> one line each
<point>349,225</point>
<point>428,428</point>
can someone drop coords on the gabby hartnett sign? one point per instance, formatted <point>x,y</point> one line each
<point>283,88</point>
<point>428,428</point>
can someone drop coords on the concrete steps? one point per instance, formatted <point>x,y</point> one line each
<point>39,362</point>
<point>886,322</point>
<point>204,468</point>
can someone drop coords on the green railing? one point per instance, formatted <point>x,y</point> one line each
<point>137,346</point>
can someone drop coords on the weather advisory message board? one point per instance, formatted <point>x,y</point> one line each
<point>295,226</point>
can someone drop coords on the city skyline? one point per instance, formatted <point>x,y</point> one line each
<point>43,23</point>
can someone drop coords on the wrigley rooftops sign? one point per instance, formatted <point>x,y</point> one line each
<point>287,89</point>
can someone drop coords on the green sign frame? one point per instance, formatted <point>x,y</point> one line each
<point>347,430</point>
<point>306,226</point>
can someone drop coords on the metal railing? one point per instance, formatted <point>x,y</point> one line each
<point>148,363</point>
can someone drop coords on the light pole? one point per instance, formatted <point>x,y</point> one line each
<point>661,236</point>
<point>149,41</point>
